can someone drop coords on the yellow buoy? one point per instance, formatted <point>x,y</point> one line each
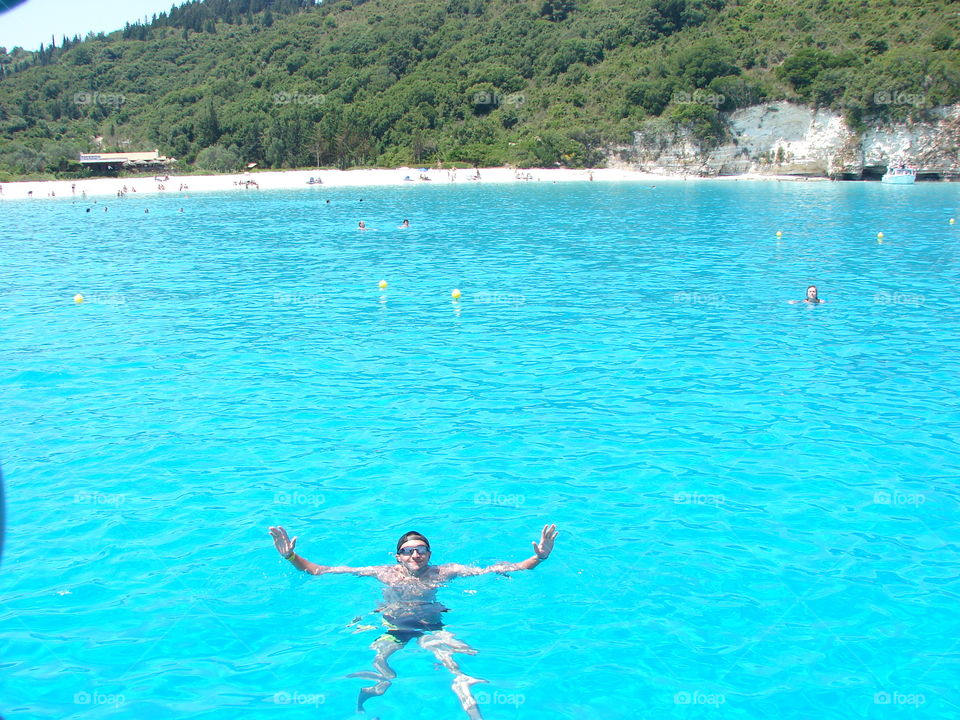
<point>383,284</point>
<point>952,221</point>
<point>455,294</point>
<point>78,298</point>
<point>880,236</point>
<point>779,234</point>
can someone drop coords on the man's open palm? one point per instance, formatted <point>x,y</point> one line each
<point>545,546</point>
<point>283,542</point>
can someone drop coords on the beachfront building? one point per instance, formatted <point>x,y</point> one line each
<point>112,163</point>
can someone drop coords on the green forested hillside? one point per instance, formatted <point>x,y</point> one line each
<point>219,83</point>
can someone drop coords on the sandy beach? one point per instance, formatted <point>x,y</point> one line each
<point>300,179</point>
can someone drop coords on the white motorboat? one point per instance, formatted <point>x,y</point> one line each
<point>900,175</point>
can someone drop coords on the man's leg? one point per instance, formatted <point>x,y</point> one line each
<point>385,646</point>
<point>443,645</point>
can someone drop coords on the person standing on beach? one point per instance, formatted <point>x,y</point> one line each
<point>410,609</point>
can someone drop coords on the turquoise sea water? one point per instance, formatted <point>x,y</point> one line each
<point>757,501</point>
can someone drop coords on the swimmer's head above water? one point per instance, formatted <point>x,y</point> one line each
<point>413,552</point>
<point>811,297</point>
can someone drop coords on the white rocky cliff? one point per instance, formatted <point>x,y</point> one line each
<point>788,139</point>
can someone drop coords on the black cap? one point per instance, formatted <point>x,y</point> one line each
<point>411,534</point>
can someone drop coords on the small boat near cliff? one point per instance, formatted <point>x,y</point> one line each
<point>900,175</point>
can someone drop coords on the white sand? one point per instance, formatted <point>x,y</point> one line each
<point>297,180</point>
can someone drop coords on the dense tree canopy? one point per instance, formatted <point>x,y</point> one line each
<point>292,83</point>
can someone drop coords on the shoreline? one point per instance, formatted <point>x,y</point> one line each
<point>299,180</point>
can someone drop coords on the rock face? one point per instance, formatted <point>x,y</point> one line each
<point>788,139</point>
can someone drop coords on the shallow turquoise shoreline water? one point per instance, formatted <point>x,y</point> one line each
<point>757,501</point>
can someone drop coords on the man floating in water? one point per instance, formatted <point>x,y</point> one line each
<point>410,609</point>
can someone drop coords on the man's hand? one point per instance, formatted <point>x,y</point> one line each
<point>542,548</point>
<point>285,545</point>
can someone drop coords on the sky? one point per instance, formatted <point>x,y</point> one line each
<point>33,21</point>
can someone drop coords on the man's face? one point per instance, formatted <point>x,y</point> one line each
<point>414,555</point>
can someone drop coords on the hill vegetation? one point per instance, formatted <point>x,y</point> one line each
<point>289,83</point>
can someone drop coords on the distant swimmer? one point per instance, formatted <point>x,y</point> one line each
<point>810,298</point>
<point>410,609</point>
<point>362,226</point>
<point>405,224</point>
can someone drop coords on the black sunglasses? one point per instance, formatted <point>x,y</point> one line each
<point>422,549</point>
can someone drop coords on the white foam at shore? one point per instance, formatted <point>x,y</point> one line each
<point>298,180</point>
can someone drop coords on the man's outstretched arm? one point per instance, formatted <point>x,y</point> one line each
<point>285,546</point>
<point>541,551</point>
